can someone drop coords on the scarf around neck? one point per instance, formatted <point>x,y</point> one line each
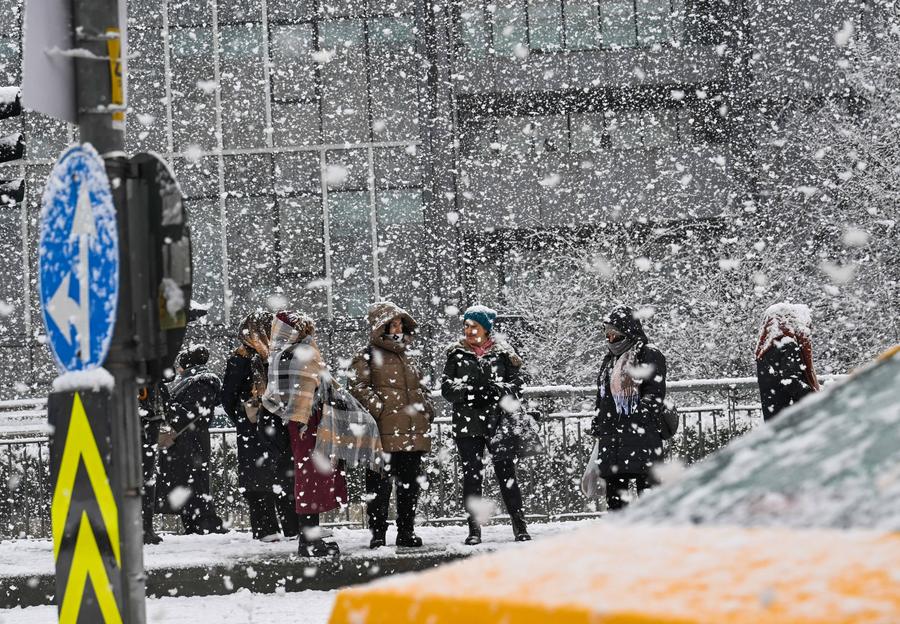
<point>622,386</point>
<point>480,350</point>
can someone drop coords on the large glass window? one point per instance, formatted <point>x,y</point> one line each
<point>243,86</point>
<point>586,131</point>
<point>252,275</point>
<point>473,28</point>
<point>345,109</point>
<point>617,23</point>
<point>393,79</point>
<point>301,236</point>
<point>653,21</point>
<point>510,26</point>
<point>545,26</point>
<point>400,250</point>
<point>349,220</point>
<point>206,235</point>
<point>582,24</point>
<point>193,88</point>
<point>293,71</point>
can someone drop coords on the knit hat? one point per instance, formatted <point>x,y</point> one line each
<point>482,315</point>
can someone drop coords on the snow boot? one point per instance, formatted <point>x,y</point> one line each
<point>408,539</point>
<point>474,533</point>
<point>520,530</point>
<point>152,538</point>
<point>378,540</point>
<point>332,548</point>
<point>316,548</point>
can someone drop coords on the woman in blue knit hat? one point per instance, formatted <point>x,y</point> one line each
<point>482,372</point>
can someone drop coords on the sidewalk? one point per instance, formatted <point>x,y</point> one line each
<point>192,565</point>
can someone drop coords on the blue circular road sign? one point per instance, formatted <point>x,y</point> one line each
<point>78,262</point>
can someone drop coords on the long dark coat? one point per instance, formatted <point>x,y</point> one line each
<point>186,462</point>
<point>474,386</point>
<point>628,445</point>
<point>259,468</point>
<point>782,377</point>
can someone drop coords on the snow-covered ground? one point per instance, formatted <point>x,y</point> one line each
<point>308,607</point>
<point>35,557</point>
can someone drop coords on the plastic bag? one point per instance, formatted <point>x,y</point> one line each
<point>592,484</point>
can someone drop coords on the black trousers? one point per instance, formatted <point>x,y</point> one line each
<point>406,468</point>
<point>616,485</point>
<point>266,508</point>
<point>471,454</point>
<point>149,439</point>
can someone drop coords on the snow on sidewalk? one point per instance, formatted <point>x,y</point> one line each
<point>309,607</point>
<point>32,557</point>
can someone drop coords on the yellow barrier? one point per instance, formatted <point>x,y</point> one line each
<point>635,575</point>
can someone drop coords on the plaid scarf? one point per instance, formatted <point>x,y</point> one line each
<point>295,371</point>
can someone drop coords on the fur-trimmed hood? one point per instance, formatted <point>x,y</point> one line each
<point>381,313</point>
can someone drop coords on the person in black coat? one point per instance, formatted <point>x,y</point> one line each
<point>784,366</point>
<point>480,373</point>
<point>631,388</point>
<point>183,482</point>
<point>265,471</point>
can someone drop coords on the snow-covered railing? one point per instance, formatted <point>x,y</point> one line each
<point>712,412</point>
<point>27,416</point>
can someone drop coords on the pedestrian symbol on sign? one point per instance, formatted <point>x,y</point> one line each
<point>79,260</point>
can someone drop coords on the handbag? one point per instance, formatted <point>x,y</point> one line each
<point>516,436</point>
<point>668,421</point>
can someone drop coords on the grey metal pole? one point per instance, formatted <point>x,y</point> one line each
<point>95,23</point>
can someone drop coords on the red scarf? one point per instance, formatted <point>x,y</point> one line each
<point>480,350</point>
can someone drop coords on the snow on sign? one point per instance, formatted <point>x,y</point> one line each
<point>78,261</point>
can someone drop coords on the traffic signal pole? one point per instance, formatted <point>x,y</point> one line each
<point>101,116</point>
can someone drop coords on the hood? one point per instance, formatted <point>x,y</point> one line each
<point>381,313</point>
<point>622,318</point>
<point>290,327</point>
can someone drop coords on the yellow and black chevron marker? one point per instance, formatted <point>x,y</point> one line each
<point>84,512</point>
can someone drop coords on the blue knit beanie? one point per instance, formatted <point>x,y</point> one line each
<point>482,315</point>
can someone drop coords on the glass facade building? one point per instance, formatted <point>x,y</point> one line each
<point>336,152</point>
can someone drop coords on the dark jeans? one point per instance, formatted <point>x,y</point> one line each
<point>616,485</point>
<point>471,453</point>
<point>265,510</point>
<point>406,468</point>
<point>149,439</point>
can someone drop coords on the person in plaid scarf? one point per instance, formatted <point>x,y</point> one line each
<point>295,371</point>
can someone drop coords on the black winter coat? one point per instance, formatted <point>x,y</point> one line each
<point>259,468</point>
<point>782,377</point>
<point>474,386</point>
<point>630,444</point>
<point>186,462</point>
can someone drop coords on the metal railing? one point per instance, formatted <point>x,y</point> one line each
<point>712,413</point>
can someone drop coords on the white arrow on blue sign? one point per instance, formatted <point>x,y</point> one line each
<point>78,260</point>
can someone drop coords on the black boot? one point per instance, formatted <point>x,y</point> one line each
<point>408,539</point>
<point>520,530</point>
<point>378,539</point>
<point>151,537</point>
<point>315,548</point>
<point>474,533</point>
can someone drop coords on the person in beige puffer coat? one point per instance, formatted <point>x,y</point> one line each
<point>391,388</point>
